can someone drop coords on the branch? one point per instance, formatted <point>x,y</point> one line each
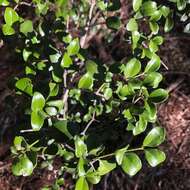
<point>89,124</point>
<point>65,96</point>
<point>83,40</point>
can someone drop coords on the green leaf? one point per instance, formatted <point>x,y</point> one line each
<point>53,89</point>
<point>158,40</point>
<point>140,125</point>
<point>113,22</point>
<point>80,167</point>
<point>86,81</point>
<point>7,30</point>
<point>156,16</point>
<point>56,103</point>
<point>66,61</point>
<point>10,16</point>
<point>132,25</point>
<point>155,137</point>
<point>127,114</point>
<point>62,126</point>
<point>26,54</point>
<point>38,101</point>
<point>181,4</point>
<point>108,93</point>
<point>4,3</point>
<point>169,23</point>
<point>151,111</point>
<point>17,142</point>
<point>153,64</point>
<point>119,154</point>
<point>158,95</point>
<point>154,156</point>
<point>105,167</point>
<point>29,71</point>
<point>93,177</point>
<point>133,67</point>
<point>80,147</point>
<point>136,5</point>
<point>135,38</point>
<point>154,27</point>
<point>37,120</point>
<point>149,8</point>
<point>54,58</point>
<point>153,79</point>
<point>165,11</point>
<point>130,127</point>
<point>153,46</point>
<point>73,47</point>
<point>25,85</point>
<point>23,166</point>
<point>91,67</point>
<point>51,111</point>
<point>26,27</point>
<point>126,90</point>
<point>131,164</point>
<point>81,184</point>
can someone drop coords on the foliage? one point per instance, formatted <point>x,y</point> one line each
<point>91,114</point>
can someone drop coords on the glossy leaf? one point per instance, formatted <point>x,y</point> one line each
<point>154,27</point>
<point>105,167</point>
<point>131,164</point>
<point>155,137</point>
<point>86,81</point>
<point>165,11</point>
<point>93,177</point>
<point>7,30</point>
<point>154,156</point>
<point>140,126</point>
<point>62,126</point>
<point>37,120</point>
<point>81,184</point>
<point>66,61</point>
<point>149,8</point>
<point>133,67</point>
<point>53,89</point>
<point>153,79</point>
<point>153,64</point>
<point>158,95</point>
<point>80,147</point>
<point>181,4</point>
<point>119,154</point>
<point>91,67</point>
<point>108,93</point>
<point>132,25</point>
<point>137,4</point>
<point>26,27</point>
<point>23,166</point>
<point>10,16</point>
<point>73,47</point>
<point>168,24</point>
<point>25,85</point>
<point>38,101</point>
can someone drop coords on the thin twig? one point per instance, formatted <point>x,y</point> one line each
<point>24,3</point>
<point>166,67</point>
<point>27,131</point>
<point>93,4</point>
<point>66,94</point>
<point>89,124</point>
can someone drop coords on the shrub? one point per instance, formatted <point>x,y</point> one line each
<point>93,115</point>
